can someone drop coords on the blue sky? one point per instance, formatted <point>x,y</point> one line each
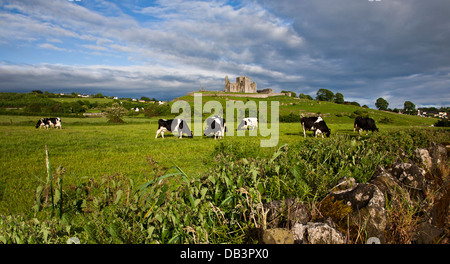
<point>395,49</point>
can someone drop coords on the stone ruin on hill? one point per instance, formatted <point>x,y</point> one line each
<point>242,85</point>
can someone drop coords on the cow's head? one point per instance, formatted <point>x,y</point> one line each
<point>242,125</point>
<point>189,133</point>
<point>39,123</point>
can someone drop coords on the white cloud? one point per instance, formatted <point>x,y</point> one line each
<point>51,47</point>
<point>94,47</point>
<point>361,49</point>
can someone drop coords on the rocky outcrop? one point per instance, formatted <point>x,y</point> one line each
<point>361,204</point>
<point>286,213</point>
<point>317,233</point>
<point>353,212</point>
<point>277,236</point>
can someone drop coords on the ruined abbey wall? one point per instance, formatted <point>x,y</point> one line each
<point>242,85</point>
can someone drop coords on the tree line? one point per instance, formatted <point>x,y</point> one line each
<point>381,103</point>
<point>325,95</point>
<point>39,103</point>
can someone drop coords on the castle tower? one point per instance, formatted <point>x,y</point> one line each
<point>242,85</point>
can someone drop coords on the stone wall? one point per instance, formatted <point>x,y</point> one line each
<point>372,212</point>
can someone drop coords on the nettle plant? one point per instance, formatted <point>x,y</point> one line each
<point>220,207</point>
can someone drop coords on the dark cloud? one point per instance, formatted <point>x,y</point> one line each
<point>392,48</point>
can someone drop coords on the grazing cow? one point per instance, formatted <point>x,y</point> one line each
<point>248,122</point>
<point>40,123</point>
<point>173,125</point>
<point>315,124</point>
<point>364,123</point>
<point>49,122</point>
<point>217,126</point>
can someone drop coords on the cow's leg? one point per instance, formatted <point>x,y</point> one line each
<point>157,133</point>
<point>180,135</point>
<point>304,131</point>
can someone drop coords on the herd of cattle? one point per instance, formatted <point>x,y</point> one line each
<point>49,122</point>
<point>216,125</point>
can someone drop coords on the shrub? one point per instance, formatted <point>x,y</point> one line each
<point>386,120</point>
<point>115,113</point>
<point>157,110</point>
<point>442,123</point>
<point>290,118</point>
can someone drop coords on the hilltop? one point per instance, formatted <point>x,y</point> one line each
<point>291,108</point>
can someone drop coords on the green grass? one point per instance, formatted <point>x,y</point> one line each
<point>199,190</point>
<point>89,99</point>
<point>90,147</point>
<point>86,151</point>
<point>98,149</point>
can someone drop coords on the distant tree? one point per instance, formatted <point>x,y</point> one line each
<point>409,107</point>
<point>77,107</point>
<point>115,113</point>
<point>56,108</point>
<point>34,107</point>
<point>325,95</point>
<point>37,91</point>
<point>305,96</point>
<point>442,123</point>
<point>157,110</point>
<point>99,95</point>
<point>355,104</point>
<point>339,98</point>
<point>381,104</point>
<point>145,98</point>
<point>293,94</point>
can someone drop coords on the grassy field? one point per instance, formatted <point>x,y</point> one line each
<point>95,150</point>
<point>90,147</point>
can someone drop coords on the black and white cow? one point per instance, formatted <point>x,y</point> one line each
<point>247,123</point>
<point>173,125</point>
<point>49,122</point>
<point>315,124</point>
<point>364,123</point>
<point>217,126</point>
